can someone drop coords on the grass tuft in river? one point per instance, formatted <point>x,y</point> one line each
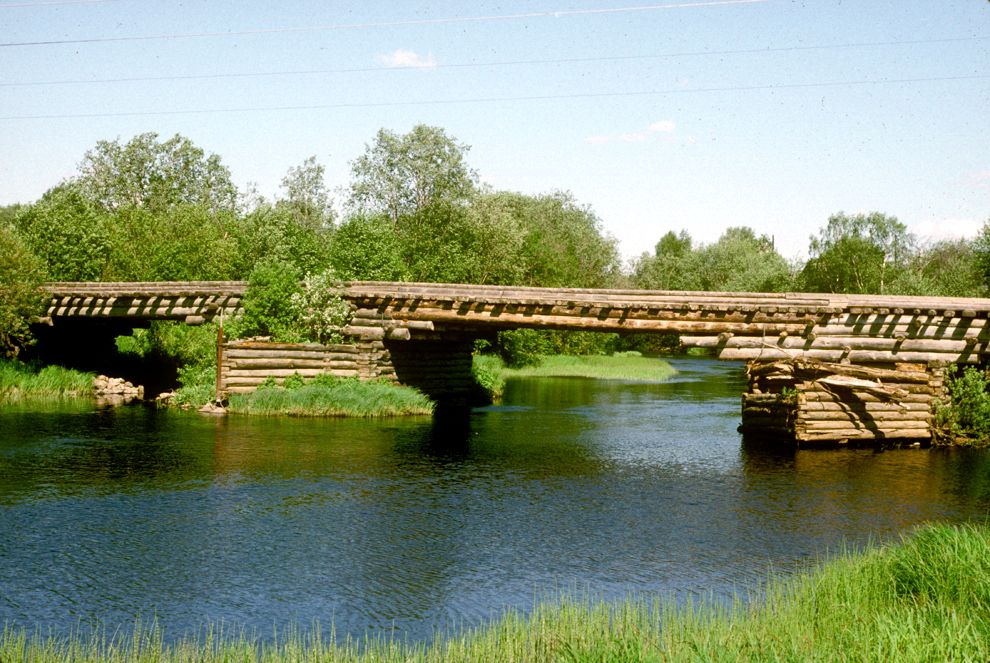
<point>926,598</point>
<point>328,396</point>
<point>20,381</point>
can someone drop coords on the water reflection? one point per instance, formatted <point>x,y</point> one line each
<point>418,524</point>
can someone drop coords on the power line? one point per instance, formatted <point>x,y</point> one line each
<point>481,100</point>
<point>48,3</point>
<point>492,63</point>
<point>389,24</point>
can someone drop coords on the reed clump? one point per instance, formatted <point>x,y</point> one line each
<point>328,396</point>
<point>926,598</point>
<point>20,381</point>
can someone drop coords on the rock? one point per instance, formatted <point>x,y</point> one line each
<point>213,408</point>
<point>115,391</point>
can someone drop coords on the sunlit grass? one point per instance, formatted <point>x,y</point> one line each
<point>924,599</point>
<point>624,366</point>
<point>327,396</point>
<point>20,381</point>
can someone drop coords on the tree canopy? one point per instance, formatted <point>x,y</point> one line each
<point>404,174</point>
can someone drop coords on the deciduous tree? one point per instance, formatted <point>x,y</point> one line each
<point>403,174</point>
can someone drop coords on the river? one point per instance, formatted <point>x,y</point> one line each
<point>413,526</point>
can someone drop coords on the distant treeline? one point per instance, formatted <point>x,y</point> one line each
<point>152,209</point>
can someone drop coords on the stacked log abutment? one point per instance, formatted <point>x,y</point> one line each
<point>811,401</point>
<point>246,365</point>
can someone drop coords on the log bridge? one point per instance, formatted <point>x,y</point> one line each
<point>821,367</point>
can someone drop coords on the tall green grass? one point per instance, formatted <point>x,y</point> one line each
<point>327,396</point>
<point>924,599</point>
<point>20,381</point>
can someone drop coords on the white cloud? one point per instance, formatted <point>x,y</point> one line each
<point>981,180</point>
<point>410,59</point>
<point>631,138</point>
<point>939,229</point>
<point>663,126</point>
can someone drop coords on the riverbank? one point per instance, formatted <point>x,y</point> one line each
<point>491,372</point>
<point>20,382</point>
<point>925,598</point>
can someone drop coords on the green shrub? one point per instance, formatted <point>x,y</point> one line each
<point>268,308</point>
<point>966,413</point>
<point>21,274</point>
<point>320,309</point>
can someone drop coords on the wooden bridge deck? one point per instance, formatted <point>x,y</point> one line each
<point>851,328</point>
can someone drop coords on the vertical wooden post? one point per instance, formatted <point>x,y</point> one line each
<point>219,392</point>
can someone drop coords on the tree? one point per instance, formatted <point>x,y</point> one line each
<point>741,261</point>
<point>862,253</point>
<point>69,233</point>
<point>307,196</point>
<point>402,175</point>
<point>276,233</point>
<point>367,248</point>
<point>155,175</point>
<point>21,276</point>
<point>949,268</point>
<point>670,267</point>
<point>190,243</point>
<point>563,244</point>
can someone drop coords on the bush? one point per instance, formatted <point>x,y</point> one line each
<point>21,275</point>
<point>966,414</point>
<point>320,309</point>
<point>268,309</point>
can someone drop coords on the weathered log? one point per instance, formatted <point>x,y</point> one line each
<point>811,397</point>
<point>814,416</point>
<point>858,425</point>
<point>863,356</point>
<point>862,435</point>
<point>259,363</point>
<point>861,406</point>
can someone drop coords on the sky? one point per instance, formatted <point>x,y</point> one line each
<point>694,115</point>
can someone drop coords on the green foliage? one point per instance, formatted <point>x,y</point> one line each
<point>740,261</point>
<point>268,309</point>
<point>522,347</point>
<point>367,248</point>
<point>306,195</point>
<point>327,396</point>
<point>489,376</point>
<point>320,309</point>
<point>862,253</point>
<point>20,381</point>
<point>564,244</point>
<point>624,366</point>
<point>294,381</point>
<point>189,243</point>
<point>280,233</point>
<point>21,275</point>
<point>69,233</point>
<point>966,414</point>
<point>155,175</point>
<point>402,174</point>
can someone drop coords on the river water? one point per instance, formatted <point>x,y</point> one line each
<point>412,526</point>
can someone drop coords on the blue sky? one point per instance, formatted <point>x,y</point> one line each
<point>695,114</point>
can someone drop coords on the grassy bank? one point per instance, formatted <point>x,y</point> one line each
<point>327,396</point>
<point>924,599</point>
<point>20,381</point>
<point>491,373</point>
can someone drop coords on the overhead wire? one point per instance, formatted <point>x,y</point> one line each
<point>491,63</point>
<point>387,24</point>
<point>519,98</point>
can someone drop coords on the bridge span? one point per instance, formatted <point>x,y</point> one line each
<point>815,345</point>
